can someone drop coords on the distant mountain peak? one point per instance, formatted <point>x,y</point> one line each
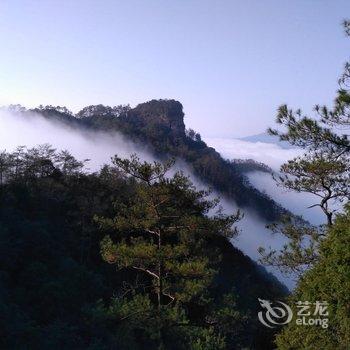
<point>266,138</point>
<point>162,112</point>
<point>159,126</point>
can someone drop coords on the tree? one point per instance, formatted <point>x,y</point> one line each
<point>328,280</point>
<point>323,170</point>
<point>198,137</point>
<point>52,274</point>
<point>191,133</point>
<point>161,235</point>
<point>319,254</point>
<point>4,166</point>
<point>68,164</point>
<point>101,110</point>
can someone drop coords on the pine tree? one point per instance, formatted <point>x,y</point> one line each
<point>328,280</point>
<point>323,171</point>
<point>319,254</point>
<point>161,235</point>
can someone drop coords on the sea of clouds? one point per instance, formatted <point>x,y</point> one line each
<point>254,233</point>
<point>32,130</point>
<point>274,156</point>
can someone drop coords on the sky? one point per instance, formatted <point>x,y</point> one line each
<point>99,147</point>
<point>230,63</point>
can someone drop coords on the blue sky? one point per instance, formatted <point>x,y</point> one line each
<point>230,63</point>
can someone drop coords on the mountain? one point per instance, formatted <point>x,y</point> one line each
<point>54,287</point>
<point>159,126</point>
<point>266,138</point>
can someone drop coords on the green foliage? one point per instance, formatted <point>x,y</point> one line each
<point>324,168</point>
<point>57,293</point>
<point>249,165</point>
<point>162,235</point>
<point>323,171</point>
<point>323,252</point>
<point>206,339</point>
<point>159,125</point>
<point>328,280</point>
<point>300,252</point>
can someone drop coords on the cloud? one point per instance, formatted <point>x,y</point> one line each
<point>274,156</point>
<point>32,129</point>
<point>254,233</point>
<point>297,203</point>
<point>268,153</point>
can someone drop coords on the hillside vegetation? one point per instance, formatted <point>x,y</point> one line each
<point>159,126</point>
<point>75,247</point>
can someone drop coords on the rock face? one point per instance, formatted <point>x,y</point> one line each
<point>168,113</point>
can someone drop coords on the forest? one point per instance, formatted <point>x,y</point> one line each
<point>134,256</point>
<point>158,126</point>
<point>80,260</point>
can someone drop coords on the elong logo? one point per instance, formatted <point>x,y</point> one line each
<point>274,315</point>
<point>281,314</point>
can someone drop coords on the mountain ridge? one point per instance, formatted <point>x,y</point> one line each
<point>265,137</point>
<point>159,125</point>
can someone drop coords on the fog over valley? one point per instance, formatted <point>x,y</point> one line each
<point>32,130</point>
<point>174,175</point>
<point>273,156</point>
